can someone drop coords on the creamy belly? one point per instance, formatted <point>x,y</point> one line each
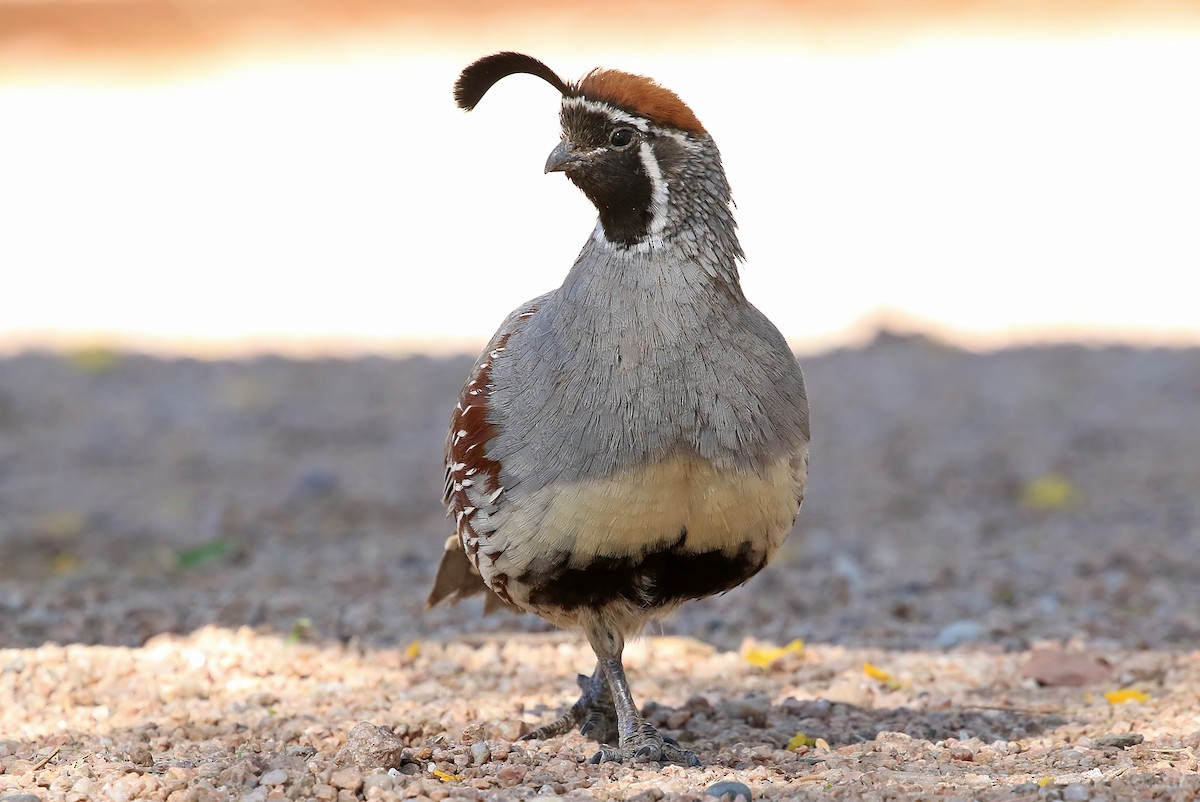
<point>677,529</point>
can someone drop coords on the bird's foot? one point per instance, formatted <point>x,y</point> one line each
<point>593,712</point>
<point>646,743</point>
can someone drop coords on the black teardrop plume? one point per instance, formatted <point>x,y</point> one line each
<point>478,78</point>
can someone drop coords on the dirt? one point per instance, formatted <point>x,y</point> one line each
<point>212,578</point>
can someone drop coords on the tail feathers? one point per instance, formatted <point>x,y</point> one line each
<point>457,580</point>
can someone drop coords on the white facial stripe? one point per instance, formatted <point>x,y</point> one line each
<point>608,111</point>
<point>645,245</point>
<point>681,138</point>
<point>617,115</point>
<point>659,191</point>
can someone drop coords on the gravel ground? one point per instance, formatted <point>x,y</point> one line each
<point>212,577</point>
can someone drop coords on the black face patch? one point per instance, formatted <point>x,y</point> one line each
<point>613,177</point>
<point>656,579</point>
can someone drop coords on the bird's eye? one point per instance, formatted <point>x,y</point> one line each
<point>621,137</point>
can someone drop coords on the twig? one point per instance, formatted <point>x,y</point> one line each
<point>47,758</point>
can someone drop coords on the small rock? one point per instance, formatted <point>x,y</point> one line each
<point>730,791</point>
<point>375,747</point>
<point>1121,741</point>
<point>259,794</point>
<point>140,756</point>
<point>509,775</point>
<point>304,751</point>
<point>678,719</point>
<point>752,709</point>
<point>273,777</point>
<point>480,753</point>
<point>379,780</point>
<point>960,632</point>
<point>315,482</point>
<point>1070,757</point>
<point>1055,667</point>
<point>349,778</point>
<point>21,798</point>
<point>1076,792</point>
<point>1026,788</point>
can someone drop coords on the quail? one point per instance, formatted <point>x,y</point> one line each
<point>639,436</point>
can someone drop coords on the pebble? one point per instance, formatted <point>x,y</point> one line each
<point>1076,792</point>
<point>379,780</point>
<point>1121,741</point>
<point>21,798</point>
<point>273,777</point>
<point>374,747</point>
<point>480,753</point>
<point>315,482</point>
<point>349,778</point>
<point>960,632</point>
<point>730,791</point>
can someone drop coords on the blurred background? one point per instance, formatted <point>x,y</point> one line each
<point>215,177</point>
<point>249,250</point>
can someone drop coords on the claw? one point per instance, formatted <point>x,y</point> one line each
<point>596,758</point>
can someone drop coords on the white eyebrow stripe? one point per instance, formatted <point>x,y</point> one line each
<point>617,115</point>
<point>608,111</point>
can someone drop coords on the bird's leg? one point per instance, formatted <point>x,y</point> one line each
<point>593,712</point>
<point>638,740</point>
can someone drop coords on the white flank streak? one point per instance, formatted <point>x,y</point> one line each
<point>458,466</point>
<point>492,498</point>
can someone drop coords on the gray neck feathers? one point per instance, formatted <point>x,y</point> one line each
<point>648,351</point>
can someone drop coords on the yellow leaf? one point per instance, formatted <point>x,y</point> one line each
<point>443,776</point>
<point>64,563</point>
<point>764,656</point>
<point>1053,491</point>
<point>1042,783</point>
<point>61,524</point>
<point>800,739</point>
<point>1126,695</point>
<point>875,672</point>
<point>94,359</point>
<point>413,651</point>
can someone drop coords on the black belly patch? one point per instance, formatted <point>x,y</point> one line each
<point>652,580</point>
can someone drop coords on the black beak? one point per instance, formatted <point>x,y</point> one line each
<point>563,157</point>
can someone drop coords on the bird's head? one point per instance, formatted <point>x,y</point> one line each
<point>627,143</point>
